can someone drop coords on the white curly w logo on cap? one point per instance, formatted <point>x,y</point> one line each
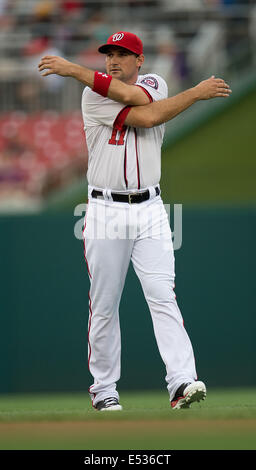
<point>118,37</point>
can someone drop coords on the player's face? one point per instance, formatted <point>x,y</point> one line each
<point>122,64</point>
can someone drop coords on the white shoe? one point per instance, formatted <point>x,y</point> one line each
<point>187,394</point>
<point>109,404</point>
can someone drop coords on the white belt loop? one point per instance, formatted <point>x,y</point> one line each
<point>152,192</point>
<point>107,195</point>
<point>90,189</point>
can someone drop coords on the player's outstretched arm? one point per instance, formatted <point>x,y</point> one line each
<point>117,91</point>
<point>158,112</point>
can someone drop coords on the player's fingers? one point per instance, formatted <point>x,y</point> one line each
<point>46,60</point>
<point>222,95</point>
<point>47,69</point>
<point>48,57</point>
<point>224,90</point>
<point>223,84</point>
<point>220,83</point>
<point>49,72</point>
<point>45,66</point>
<point>42,63</point>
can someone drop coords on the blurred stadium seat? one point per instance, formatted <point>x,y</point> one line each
<point>39,152</point>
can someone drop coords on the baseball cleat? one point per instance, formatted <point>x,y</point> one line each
<point>187,394</point>
<point>109,404</point>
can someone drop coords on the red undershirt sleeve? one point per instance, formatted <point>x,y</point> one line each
<point>120,119</point>
<point>122,115</point>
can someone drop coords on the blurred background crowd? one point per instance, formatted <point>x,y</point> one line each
<point>42,142</point>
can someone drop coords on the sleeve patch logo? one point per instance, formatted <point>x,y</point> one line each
<point>150,81</point>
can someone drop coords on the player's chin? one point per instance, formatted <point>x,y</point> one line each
<point>116,74</point>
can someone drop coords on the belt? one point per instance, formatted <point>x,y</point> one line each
<point>132,198</point>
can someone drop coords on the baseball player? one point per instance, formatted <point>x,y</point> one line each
<point>124,115</point>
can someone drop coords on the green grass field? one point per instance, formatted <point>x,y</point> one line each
<point>226,420</point>
<point>215,164</point>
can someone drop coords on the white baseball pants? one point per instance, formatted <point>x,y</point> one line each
<point>114,234</point>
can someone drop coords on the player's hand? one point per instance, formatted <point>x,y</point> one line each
<point>55,65</point>
<point>212,88</point>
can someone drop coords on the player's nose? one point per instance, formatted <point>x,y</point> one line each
<point>114,65</point>
<point>113,61</point>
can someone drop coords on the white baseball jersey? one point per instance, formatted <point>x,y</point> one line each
<point>122,158</point>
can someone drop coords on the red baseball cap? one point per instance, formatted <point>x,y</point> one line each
<point>123,39</point>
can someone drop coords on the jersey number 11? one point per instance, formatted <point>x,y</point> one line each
<point>113,140</point>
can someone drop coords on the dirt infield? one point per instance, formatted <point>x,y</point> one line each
<point>150,434</point>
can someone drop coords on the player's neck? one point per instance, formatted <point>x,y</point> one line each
<point>131,80</point>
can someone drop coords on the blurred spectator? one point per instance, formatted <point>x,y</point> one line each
<point>212,2</point>
<point>230,2</point>
<point>33,52</point>
<point>28,95</point>
<point>207,51</point>
<point>98,32</point>
<point>35,91</point>
<point>7,21</point>
<point>142,3</point>
<point>182,4</point>
<point>97,27</point>
<point>165,59</point>
<point>71,7</point>
<point>42,19</point>
<point>91,58</point>
<point>3,7</point>
<point>40,153</point>
<point>223,2</point>
<point>12,176</point>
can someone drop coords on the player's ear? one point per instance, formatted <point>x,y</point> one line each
<point>139,60</point>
